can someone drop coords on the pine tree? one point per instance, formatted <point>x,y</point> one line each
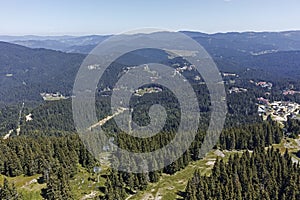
<point>8,192</point>
<point>58,186</point>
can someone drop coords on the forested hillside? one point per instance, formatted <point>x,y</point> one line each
<point>258,175</point>
<point>25,72</point>
<point>249,54</point>
<point>43,157</point>
<point>58,158</point>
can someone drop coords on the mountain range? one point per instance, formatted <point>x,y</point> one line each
<point>245,42</point>
<point>30,65</point>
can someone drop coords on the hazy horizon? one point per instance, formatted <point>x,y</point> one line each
<point>49,18</point>
<point>108,34</point>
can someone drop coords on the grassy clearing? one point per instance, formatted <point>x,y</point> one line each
<point>287,143</point>
<point>85,182</point>
<point>54,98</point>
<point>293,146</point>
<point>26,186</point>
<point>170,186</point>
<point>82,184</point>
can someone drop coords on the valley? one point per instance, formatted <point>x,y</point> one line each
<point>41,149</point>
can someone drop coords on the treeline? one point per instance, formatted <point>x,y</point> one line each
<point>251,136</point>
<point>56,158</point>
<point>263,175</point>
<point>29,156</point>
<point>293,127</point>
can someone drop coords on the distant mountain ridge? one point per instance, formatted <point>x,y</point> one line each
<point>11,38</point>
<point>70,44</point>
<point>26,72</point>
<point>251,42</point>
<point>247,42</point>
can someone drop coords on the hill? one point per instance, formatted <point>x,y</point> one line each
<point>245,42</point>
<point>69,44</point>
<point>25,72</point>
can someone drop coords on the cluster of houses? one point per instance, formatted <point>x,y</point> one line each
<point>290,92</point>
<point>141,92</point>
<point>278,110</point>
<point>237,90</point>
<point>184,68</point>
<point>229,74</point>
<point>197,78</point>
<point>264,84</point>
<point>52,96</point>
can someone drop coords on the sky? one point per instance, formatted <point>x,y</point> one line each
<point>85,17</point>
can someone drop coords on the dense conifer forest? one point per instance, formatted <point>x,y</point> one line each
<point>259,175</point>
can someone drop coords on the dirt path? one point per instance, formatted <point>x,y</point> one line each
<point>92,195</point>
<point>19,120</point>
<point>103,121</point>
<point>129,197</point>
<point>8,134</point>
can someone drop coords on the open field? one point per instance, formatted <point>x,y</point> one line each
<point>83,185</point>
<point>170,186</point>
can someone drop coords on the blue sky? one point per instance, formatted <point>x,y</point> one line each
<point>82,17</point>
